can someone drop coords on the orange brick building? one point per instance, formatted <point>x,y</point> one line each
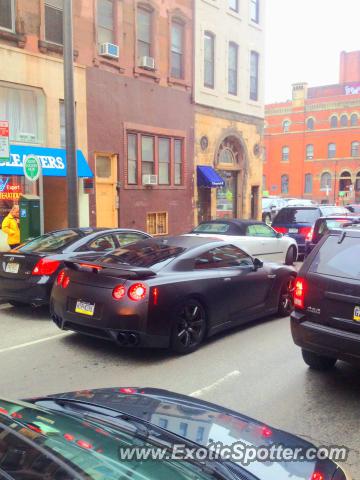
<point>312,142</point>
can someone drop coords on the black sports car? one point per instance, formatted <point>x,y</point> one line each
<point>105,434</point>
<point>27,273</point>
<point>171,291</point>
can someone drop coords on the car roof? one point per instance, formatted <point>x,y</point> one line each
<point>184,241</point>
<point>234,221</point>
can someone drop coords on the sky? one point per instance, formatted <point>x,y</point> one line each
<point>303,42</point>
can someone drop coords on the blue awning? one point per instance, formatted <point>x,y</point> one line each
<point>53,161</point>
<point>208,177</point>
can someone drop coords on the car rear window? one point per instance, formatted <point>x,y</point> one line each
<point>51,242</point>
<point>334,210</point>
<point>337,259</point>
<point>297,215</point>
<point>212,228</point>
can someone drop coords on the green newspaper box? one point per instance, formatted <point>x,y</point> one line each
<point>29,212</point>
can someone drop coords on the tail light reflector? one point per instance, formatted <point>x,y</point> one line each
<point>299,293</point>
<point>119,292</point>
<point>281,229</point>
<point>309,236</point>
<point>60,277</point>
<point>66,281</point>
<point>45,266</point>
<point>266,432</point>
<point>137,292</point>
<point>155,295</point>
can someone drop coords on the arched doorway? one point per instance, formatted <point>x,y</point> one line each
<point>345,181</point>
<point>229,165</point>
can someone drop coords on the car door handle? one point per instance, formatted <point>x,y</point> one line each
<point>228,279</point>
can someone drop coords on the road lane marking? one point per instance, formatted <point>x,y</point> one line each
<point>229,375</point>
<point>34,342</point>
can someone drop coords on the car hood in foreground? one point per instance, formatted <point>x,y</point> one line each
<point>204,423</point>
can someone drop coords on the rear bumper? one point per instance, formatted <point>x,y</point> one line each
<point>25,292</point>
<point>325,340</point>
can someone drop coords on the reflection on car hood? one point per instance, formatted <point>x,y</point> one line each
<point>205,423</point>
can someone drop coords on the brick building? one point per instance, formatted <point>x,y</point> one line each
<point>312,141</point>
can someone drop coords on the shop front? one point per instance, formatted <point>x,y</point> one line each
<point>50,187</point>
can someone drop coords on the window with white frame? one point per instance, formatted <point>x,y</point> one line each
<point>234,5</point>
<point>7,15</point>
<point>285,154</point>
<point>177,49</point>
<point>255,11</point>
<point>325,181</point>
<point>144,32</point>
<point>308,183</point>
<point>355,149</point>
<point>309,152</point>
<point>233,69</point>
<point>254,76</point>
<point>285,184</point>
<point>54,21</point>
<point>164,161</point>
<point>209,60</point>
<point>105,21</point>
<point>332,150</point>
<point>286,126</point>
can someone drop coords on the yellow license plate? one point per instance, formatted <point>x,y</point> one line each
<point>85,308</point>
<point>356,316</point>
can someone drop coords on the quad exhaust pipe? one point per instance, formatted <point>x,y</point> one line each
<point>128,339</point>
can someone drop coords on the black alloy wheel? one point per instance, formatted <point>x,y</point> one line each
<point>189,327</point>
<point>286,301</point>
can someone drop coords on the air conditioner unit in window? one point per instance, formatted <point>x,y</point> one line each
<point>109,50</point>
<point>149,179</point>
<point>147,62</point>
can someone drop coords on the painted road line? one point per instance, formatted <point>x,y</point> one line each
<point>228,376</point>
<point>34,342</point>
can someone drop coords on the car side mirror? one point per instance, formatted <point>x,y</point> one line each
<point>257,264</point>
<point>279,235</point>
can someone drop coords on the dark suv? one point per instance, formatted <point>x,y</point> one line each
<point>326,319</point>
<point>296,222</point>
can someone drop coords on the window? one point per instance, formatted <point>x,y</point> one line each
<point>233,69</point>
<point>264,182</point>
<point>332,150</point>
<point>101,244</point>
<point>355,149</point>
<point>260,231</point>
<point>129,237</point>
<point>164,161</point>
<point>54,21</point>
<point>286,126</point>
<point>200,434</point>
<point>309,152</point>
<point>183,429</point>
<point>177,45</point>
<point>7,15</point>
<point>333,121</point>
<point>343,121</point>
<point>147,155</point>
<point>284,184</point>
<point>308,183</point>
<point>223,257</point>
<point>103,166</point>
<point>25,109</point>
<point>157,223</point>
<point>310,124</point>
<point>62,124</point>
<point>132,158</point>
<point>354,120</point>
<point>297,215</point>
<point>144,31</point>
<point>234,5</point>
<point>178,157</point>
<point>209,60</point>
<point>255,10</point>
<point>52,242</point>
<point>325,181</point>
<point>254,76</point>
<point>163,423</point>
<point>285,154</point>
<point>105,21</point>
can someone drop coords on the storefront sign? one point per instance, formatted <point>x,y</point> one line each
<point>352,89</point>
<point>8,191</point>
<point>32,167</point>
<point>52,161</point>
<point>4,141</point>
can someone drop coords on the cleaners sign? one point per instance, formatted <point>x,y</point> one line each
<point>4,141</point>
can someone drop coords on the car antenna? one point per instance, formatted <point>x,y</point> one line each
<point>342,236</point>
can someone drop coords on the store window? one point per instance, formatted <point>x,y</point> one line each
<point>7,15</point>
<point>157,223</point>
<point>54,21</point>
<point>11,189</point>
<point>24,109</point>
<point>105,21</point>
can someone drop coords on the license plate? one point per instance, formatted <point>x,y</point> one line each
<point>12,267</point>
<point>293,230</point>
<point>356,316</point>
<point>85,308</point>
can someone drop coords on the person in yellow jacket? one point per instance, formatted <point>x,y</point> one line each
<point>10,226</point>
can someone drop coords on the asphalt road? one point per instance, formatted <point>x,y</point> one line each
<point>256,370</point>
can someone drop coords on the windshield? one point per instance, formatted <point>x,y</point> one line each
<point>297,215</point>
<point>217,227</point>
<point>52,242</point>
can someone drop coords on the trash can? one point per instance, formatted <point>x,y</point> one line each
<point>30,225</point>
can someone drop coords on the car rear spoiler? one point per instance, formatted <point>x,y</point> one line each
<point>111,270</point>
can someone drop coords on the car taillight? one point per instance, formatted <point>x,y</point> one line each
<point>317,476</point>
<point>4,411</point>
<point>281,229</point>
<point>137,292</point>
<point>68,437</point>
<point>60,277</point>
<point>155,295</point>
<point>299,293</point>
<point>127,390</point>
<point>66,281</point>
<point>304,231</point>
<point>309,236</point>
<point>45,266</point>
<point>119,292</point>
<point>84,444</point>
<point>266,432</point>
<point>16,415</point>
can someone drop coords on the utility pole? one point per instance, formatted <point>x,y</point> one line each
<point>70,127</point>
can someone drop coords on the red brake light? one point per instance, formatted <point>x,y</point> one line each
<point>119,292</point>
<point>34,428</point>
<point>127,390</point>
<point>317,476</point>
<point>266,432</point>
<point>16,415</point>
<point>60,277</point>
<point>305,231</point>
<point>3,411</point>
<point>299,293</point>
<point>69,437</point>
<point>155,294</point>
<point>45,267</point>
<point>309,236</point>
<point>281,229</point>
<point>84,444</point>
<point>137,291</point>
<point>66,281</point>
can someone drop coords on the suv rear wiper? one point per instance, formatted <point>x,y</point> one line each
<point>121,420</point>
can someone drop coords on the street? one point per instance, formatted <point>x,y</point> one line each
<point>256,370</point>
